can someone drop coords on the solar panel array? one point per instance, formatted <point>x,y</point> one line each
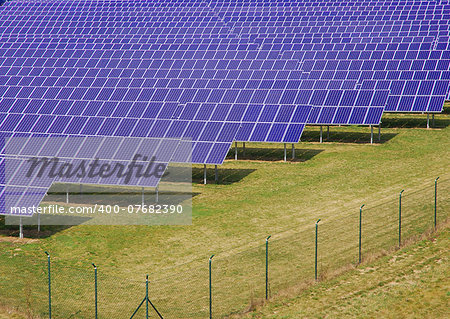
<point>183,79</point>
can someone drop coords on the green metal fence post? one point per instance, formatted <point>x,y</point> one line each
<point>360,230</point>
<point>400,219</point>
<point>210,288</point>
<point>267,267</point>
<point>315,263</point>
<point>49,287</point>
<point>146,297</point>
<point>435,202</point>
<point>147,301</point>
<point>95,285</point>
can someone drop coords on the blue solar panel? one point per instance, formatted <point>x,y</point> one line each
<point>109,150</point>
<point>200,75</point>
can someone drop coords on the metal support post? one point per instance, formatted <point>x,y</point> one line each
<point>235,151</point>
<point>210,287</point>
<point>293,151</point>
<point>147,302</point>
<point>328,132</point>
<point>321,134</point>
<point>204,174</point>
<point>267,267</point>
<point>435,202</point>
<point>285,152</point>
<point>371,134</point>
<point>428,120</point>
<point>146,297</point>
<point>20,228</point>
<point>360,231</point>
<point>96,295</point>
<point>315,259</point>
<point>400,219</point>
<point>49,287</point>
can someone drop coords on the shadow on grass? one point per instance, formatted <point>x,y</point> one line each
<point>347,137</point>
<point>89,196</point>
<point>405,120</point>
<point>225,176</point>
<point>122,199</point>
<point>273,154</point>
<point>29,231</point>
<point>411,122</point>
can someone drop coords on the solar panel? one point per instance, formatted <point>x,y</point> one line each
<point>281,26</point>
<point>432,76</point>
<point>190,77</point>
<point>19,151</point>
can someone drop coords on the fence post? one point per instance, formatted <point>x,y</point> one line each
<point>147,301</point>
<point>435,202</point>
<point>210,288</point>
<point>49,287</point>
<point>400,219</point>
<point>360,230</point>
<point>95,285</point>
<point>315,263</point>
<point>146,297</point>
<point>267,267</point>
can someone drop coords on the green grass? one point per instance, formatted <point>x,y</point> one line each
<point>258,196</point>
<point>410,283</point>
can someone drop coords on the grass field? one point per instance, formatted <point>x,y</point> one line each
<point>411,283</point>
<point>256,197</point>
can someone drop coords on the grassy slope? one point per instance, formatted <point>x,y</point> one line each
<point>258,198</point>
<point>412,283</point>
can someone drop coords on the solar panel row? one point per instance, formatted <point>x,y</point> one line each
<point>198,75</point>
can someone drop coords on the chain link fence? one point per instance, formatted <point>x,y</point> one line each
<point>238,280</point>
